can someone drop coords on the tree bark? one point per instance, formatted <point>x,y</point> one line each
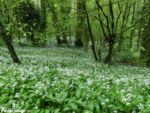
<point>109,33</point>
<point>91,35</point>
<point>80,23</point>
<point>125,18</point>
<point>8,41</point>
<point>108,58</point>
<point>6,37</point>
<point>133,29</point>
<point>11,49</point>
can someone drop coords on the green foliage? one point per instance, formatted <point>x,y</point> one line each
<point>31,21</point>
<point>65,81</point>
<point>68,81</point>
<point>28,14</point>
<point>42,20</point>
<point>128,57</point>
<point>145,52</point>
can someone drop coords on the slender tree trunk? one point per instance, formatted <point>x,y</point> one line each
<point>139,34</point>
<point>91,35</point>
<point>145,52</point>
<point>110,35</point>
<point>8,42</point>
<point>108,58</point>
<point>69,30</point>
<point>6,37</point>
<point>32,38</point>
<point>132,31</point>
<point>140,26</point>
<point>125,18</point>
<point>55,22</point>
<point>19,34</point>
<point>43,15</point>
<point>118,18</point>
<point>65,11</point>
<point>80,23</point>
<point>111,39</point>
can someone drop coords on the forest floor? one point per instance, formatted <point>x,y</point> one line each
<point>59,80</point>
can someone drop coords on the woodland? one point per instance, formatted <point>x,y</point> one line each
<point>75,56</point>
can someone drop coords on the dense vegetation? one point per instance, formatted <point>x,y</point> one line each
<point>64,81</point>
<point>77,56</point>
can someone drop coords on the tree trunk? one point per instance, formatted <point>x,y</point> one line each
<point>65,11</point>
<point>55,22</point>
<point>32,38</point>
<point>6,37</point>
<point>108,58</point>
<point>8,42</point>
<point>80,23</point>
<point>91,35</point>
<point>125,18</point>
<point>145,52</point>
<point>110,33</point>
<point>19,34</point>
<point>133,30</point>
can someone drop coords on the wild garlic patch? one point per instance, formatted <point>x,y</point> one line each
<point>54,80</point>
